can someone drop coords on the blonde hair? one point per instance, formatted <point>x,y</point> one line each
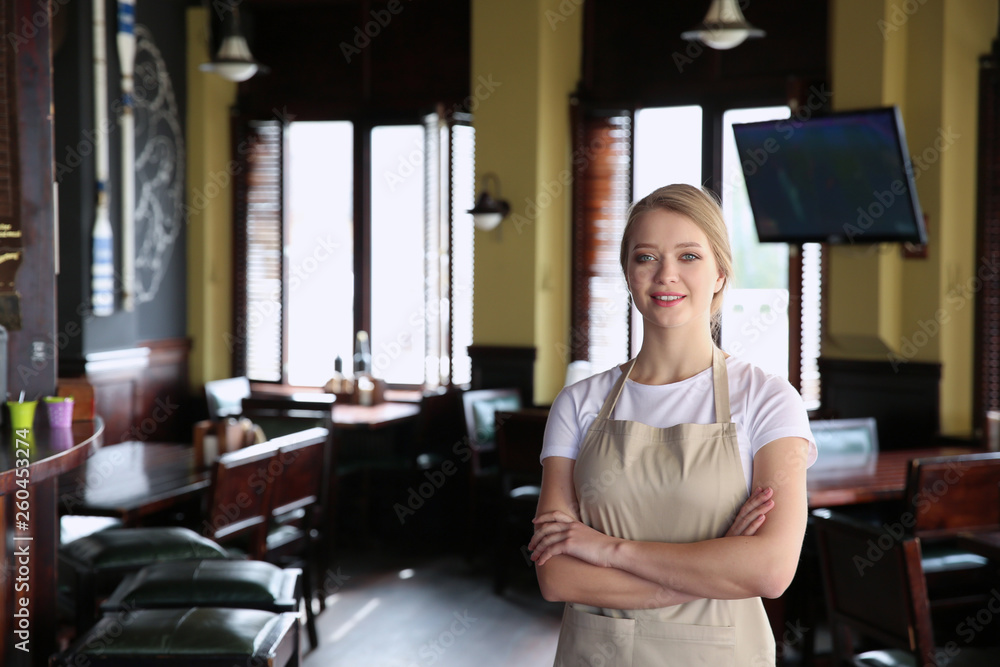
<point>703,208</point>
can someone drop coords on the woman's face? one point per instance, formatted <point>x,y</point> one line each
<point>672,273</point>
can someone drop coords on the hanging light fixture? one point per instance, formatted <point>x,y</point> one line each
<point>233,61</point>
<point>488,212</point>
<point>723,27</point>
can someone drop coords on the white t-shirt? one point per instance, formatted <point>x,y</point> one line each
<point>765,407</point>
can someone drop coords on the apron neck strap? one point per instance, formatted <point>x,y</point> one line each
<point>720,384</point>
<point>616,391</point>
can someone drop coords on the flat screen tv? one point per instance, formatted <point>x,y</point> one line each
<point>841,178</point>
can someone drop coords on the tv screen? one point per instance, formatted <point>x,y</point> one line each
<point>842,178</point>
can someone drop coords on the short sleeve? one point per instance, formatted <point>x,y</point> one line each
<point>778,412</point>
<point>563,431</point>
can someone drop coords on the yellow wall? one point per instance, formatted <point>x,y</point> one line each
<point>209,225</point>
<point>523,135</point>
<point>561,52</point>
<point>922,57</point>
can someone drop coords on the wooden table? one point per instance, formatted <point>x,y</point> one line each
<point>29,515</point>
<point>985,544</point>
<point>133,479</point>
<point>884,480</point>
<point>303,405</point>
<point>374,417</point>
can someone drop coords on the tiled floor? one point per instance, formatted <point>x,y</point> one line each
<point>390,610</point>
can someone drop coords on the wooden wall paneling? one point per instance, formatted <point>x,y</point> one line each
<point>116,378</point>
<point>503,366</point>
<point>165,398</point>
<point>141,393</point>
<point>904,399</point>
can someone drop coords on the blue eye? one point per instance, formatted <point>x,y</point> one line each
<point>644,257</point>
<point>689,256</point>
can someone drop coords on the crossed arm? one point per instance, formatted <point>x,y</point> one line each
<point>757,556</point>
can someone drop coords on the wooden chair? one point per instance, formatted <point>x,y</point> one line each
<point>296,517</point>
<point>225,397</point>
<point>948,494</point>
<point>233,584</point>
<point>945,496</point>
<point>875,588</point>
<point>240,505</point>
<point>480,408</point>
<point>440,427</point>
<point>844,443</point>
<point>519,438</point>
<point>238,510</point>
<point>289,479</point>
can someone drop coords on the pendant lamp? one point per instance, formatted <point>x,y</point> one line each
<point>723,27</point>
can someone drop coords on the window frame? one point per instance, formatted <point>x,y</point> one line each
<point>362,240</point>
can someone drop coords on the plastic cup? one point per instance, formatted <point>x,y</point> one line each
<point>22,414</point>
<point>60,410</point>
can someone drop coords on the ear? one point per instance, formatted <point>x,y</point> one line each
<point>720,282</point>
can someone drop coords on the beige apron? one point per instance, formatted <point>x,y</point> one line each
<point>678,484</point>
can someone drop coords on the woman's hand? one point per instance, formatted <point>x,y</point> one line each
<point>751,514</point>
<point>558,533</point>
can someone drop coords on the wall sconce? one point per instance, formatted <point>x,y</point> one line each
<point>723,27</point>
<point>488,212</point>
<point>233,61</point>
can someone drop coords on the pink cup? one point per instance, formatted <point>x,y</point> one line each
<point>60,410</point>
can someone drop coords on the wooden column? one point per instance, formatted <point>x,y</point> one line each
<point>27,214</point>
<point>986,393</point>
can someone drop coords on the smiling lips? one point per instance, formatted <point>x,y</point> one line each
<point>667,299</point>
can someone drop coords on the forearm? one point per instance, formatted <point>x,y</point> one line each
<point>568,579</point>
<point>726,568</point>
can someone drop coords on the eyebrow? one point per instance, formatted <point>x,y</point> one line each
<point>684,244</point>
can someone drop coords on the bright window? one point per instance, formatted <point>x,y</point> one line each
<point>667,150</point>
<point>399,313</point>
<point>755,313</point>
<point>319,249</point>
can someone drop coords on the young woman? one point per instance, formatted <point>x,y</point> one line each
<point>646,525</point>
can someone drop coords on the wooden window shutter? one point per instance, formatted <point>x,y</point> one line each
<point>258,251</point>
<point>602,193</point>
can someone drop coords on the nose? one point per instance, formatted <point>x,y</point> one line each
<point>666,272</point>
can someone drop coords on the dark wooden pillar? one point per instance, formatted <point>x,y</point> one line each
<point>987,323</point>
<point>27,215</point>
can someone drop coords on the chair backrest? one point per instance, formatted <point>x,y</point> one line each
<point>480,408</point>
<point>299,471</point>
<point>844,443</point>
<point>949,494</point>
<point>241,497</point>
<point>441,422</point>
<point>874,585</point>
<point>519,438</point>
<point>225,397</point>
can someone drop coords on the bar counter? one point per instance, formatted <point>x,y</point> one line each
<point>29,523</point>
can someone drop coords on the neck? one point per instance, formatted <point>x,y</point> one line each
<point>669,356</point>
